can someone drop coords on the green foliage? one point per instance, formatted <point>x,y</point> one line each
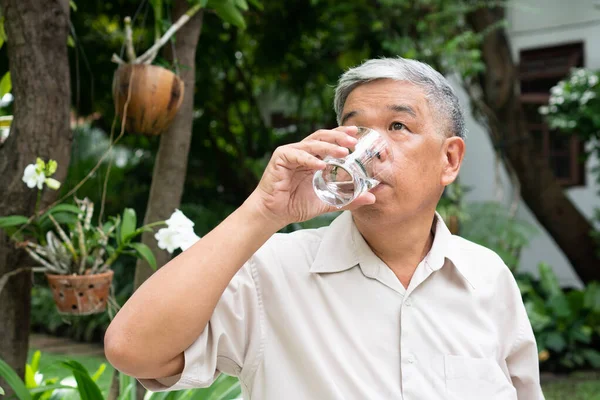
<point>5,84</point>
<point>574,109</point>
<point>85,386</point>
<point>13,380</point>
<point>230,11</point>
<point>565,323</point>
<point>491,225</point>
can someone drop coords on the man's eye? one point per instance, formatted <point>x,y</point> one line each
<point>396,126</point>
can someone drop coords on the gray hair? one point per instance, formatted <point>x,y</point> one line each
<point>437,89</point>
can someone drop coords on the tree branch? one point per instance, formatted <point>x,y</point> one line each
<point>151,53</point>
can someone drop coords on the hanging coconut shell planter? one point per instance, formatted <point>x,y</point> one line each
<point>155,95</point>
<point>80,294</point>
<point>148,96</point>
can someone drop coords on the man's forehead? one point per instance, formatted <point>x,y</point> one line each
<point>386,94</point>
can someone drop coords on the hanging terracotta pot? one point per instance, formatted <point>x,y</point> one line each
<point>80,294</point>
<point>156,95</point>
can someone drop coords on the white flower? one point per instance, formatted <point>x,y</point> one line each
<point>553,109</point>
<point>171,239</point>
<point>593,80</point>
<point>571,124</point>
<point>179,233</point>
<point>556,90</point>
<point>187,239</point>
<point>167,239</point>
<point>179,221</point>
<point>32,177</point>
<point>38,378</point>
<point>63,392</point>
<point>543,110</point>
<point>587,96</point>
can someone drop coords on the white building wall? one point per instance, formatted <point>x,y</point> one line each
<point>535,24</point>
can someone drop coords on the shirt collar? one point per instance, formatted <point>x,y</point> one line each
<point>343,247</point>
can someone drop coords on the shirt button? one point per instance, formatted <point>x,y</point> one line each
<point>408,303</point>
<point>411,360</point>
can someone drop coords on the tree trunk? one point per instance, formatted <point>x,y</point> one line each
<point>38,60</point>
<point>171,160</point>
<point>170,165</point>
<point>539,188</point>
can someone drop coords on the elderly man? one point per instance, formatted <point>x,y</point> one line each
<point>383,304</point>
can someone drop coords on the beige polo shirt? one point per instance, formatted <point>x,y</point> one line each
<point>316,315</point>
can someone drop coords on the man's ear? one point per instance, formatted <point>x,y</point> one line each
<point>454,152</point>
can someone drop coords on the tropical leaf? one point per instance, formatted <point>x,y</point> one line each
<point>35,361</point>
<point>128,224</point>
<point>29,377</point>
<point>144,252</point>
<point>5,84</point>
<point>127,387</point>
<point>87,388</point>
<point>13,380</point>
<point>12,220</point>
<point>228,12</point>
<point>257,4</point>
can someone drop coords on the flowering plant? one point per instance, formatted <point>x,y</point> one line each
<point>63,240</point>
<point>574,105</point>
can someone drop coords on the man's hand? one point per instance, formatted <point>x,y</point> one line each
<point>285,193</point>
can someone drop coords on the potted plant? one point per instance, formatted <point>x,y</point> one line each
<point>75,254</point>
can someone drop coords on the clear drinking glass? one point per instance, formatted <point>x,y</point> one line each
<point>344,179</point>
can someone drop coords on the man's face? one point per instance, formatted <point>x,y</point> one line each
<point>425,158</point>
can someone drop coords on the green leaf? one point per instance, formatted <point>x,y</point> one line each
<point>12,220</point>
<point>5,84</point>
<point>13,380</point>
<point>559,306</point>
<point>2,32</point>
<point>128,224</point>
<point>35,361</point>
<point>556,342</point>
<point>242,4</point>
<point>1,391</point>
<point>87,388</point>
<point>29,377</point>
<point>127,387</point>
<point>144,252</point>
<point>65,218</point>
<point>537,316</point>
<point>48,388</point>
<point>70,41</point>
<point>548,280</point>
<point>64,208</point>
<point>591,298</point>
<point>582,334</point>
<point>203,3</point>
<point>257,4</point>
<point>228,12</point>
<point>73,5</point>
<point>99,372</point>
<point>593,357</point>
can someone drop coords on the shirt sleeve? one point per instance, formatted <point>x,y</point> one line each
<point>231,343</point>
<point>522,359</point>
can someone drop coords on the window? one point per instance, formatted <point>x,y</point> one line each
<point>539,70</point>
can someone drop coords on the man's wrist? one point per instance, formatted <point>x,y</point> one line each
<point>254,213</point>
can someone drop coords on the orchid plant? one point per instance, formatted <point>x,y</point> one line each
<point>63,240</point>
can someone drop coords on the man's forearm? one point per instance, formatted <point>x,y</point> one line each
<point>172,308</point>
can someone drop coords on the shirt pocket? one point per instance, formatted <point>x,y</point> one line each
<point>469,378</point>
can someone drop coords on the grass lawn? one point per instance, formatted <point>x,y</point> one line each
<point>577,386</point>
